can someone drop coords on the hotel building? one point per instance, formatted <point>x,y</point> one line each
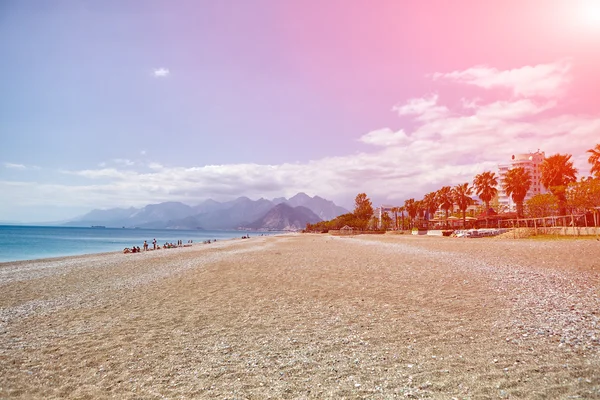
<point>531,162</point>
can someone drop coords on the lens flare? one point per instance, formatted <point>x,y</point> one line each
<point>590,13</point>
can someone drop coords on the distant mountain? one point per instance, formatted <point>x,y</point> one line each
<point>114,217</point>
<point>234,214</point>
<point>111,214</point>
<point>150,216</point>
<point>285,217</point>
<point>279,200</point>
<point>207,206</point>
<point>189,222</point>
<point>209,214</point>
<point>325,209</point>
<point>160,212</point>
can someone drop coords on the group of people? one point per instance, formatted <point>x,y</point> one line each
<point>156,246</point>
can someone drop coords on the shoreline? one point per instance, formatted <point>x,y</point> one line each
<point>311,316</point>
<point>257,235</point>
<point>104,253</point>
<point>108,252</point>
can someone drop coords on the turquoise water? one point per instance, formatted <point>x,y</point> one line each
<point>33,242</point>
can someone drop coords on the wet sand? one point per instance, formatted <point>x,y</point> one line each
<point>307,316</point>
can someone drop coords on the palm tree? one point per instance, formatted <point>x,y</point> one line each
<point>485,188</point>
<point>516,184</point>
<point>395,211</point>
<point>420,206</point>
<point>595,161</point>
<point>401,210</point>
<point>431,203</point>
<point>411,209</point>
<point>445,200</point>
<point>557,172</point>
<point>462,197</point>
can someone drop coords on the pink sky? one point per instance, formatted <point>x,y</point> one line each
<point>111,104</point>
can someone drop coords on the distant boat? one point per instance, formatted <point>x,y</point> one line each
<point>98,226</point>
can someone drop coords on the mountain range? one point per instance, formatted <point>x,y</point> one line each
<point>241,213</point>
<point>285,217</point>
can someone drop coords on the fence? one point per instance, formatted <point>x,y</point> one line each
<point>571,225</point>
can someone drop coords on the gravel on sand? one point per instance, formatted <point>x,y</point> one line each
<point>307,316</point>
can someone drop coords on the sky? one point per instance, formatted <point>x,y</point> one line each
<point>126,103</point>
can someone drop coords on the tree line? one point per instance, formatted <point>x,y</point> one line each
<point>566,195</point>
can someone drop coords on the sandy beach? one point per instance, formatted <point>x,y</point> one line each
<point>307,316</point>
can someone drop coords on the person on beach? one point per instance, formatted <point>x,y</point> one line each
<point>154,243</point>
<point>145,246</point>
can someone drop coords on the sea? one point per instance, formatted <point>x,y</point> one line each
<point>19,242</point>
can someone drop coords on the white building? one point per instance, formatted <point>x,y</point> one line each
<point>384,209</point>
<point>531,162</point>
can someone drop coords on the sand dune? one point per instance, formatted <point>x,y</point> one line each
<point>307,316</point>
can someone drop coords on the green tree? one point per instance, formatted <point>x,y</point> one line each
<point>401,210</point>
<point>386,221</point>
<point>585,196</point>
<point>542,205</point>
<point>363,210</point>
<point>411,210</point>
<point>516,184</point>
<point>395,211</point>
<point>445,200</point>
<point>557,173</point>
<point>462,198</point>
<point>594,160</point>
<point>373,223</point>
<point>485,187</point>
<point>431,204</point>
<point>420,206</point>
<point>343,220</point>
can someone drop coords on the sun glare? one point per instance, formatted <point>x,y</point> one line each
<point>590,13</point>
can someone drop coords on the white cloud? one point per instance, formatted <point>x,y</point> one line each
<point>119,162</point>
<point>385,137</point>
<point>470,103</point>
<point>22,167</point>
<point>424,108</point>
<point>143,152</point>
<point>14,166</point>
<point>512,109</point>
<point>123,161</point>
<point>161,72</point>
<point>453,147</point>
<point>99,173</point>
<point>542,80</point>
<point>155,166</point>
